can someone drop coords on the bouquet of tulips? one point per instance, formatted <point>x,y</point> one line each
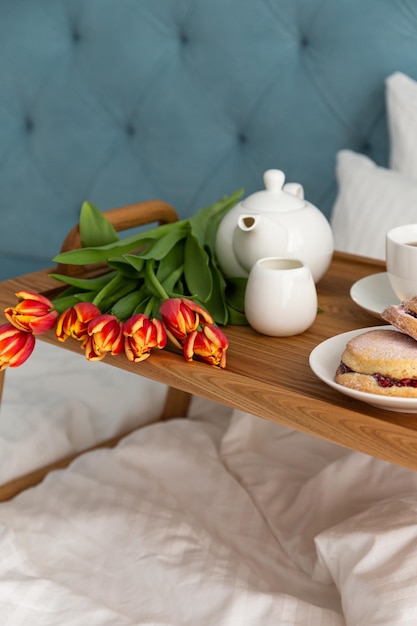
<point>162,285</point>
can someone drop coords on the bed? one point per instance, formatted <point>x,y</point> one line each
<point>217,517</point>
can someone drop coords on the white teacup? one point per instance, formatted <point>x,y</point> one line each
<point>280,297</point>
<point>401,258</point>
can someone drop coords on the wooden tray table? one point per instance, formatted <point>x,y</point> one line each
<point>269,377</point>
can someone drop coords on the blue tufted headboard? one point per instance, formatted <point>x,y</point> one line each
<point>118,101</point>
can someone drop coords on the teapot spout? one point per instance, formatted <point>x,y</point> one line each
<point>257,236</point>
<point>247,223</point>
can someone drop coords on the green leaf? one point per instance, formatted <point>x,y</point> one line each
<point>207,219</point>
<point>114,290</point>
<point>136,262</point>
<point>164,245</point>
<point>89,284</point>
<point>235,292</point>
<point>170,284</point>
<point>95,228</point>
<point>64,302</point>
<point>216,303</point>
<point>86,296</point>
<point>123,265</point>
<point>179,289</point>
<point>171,262</point>
<point>154,286</point>
<point>236,318</point>
<point>155,308</point>
<point>196,269</point>
<point>100,254</point>
<point>144,305</point>
<point>150,306</point>
<point>69,291</point>
<point>126,306</point>
<point>213,224</point>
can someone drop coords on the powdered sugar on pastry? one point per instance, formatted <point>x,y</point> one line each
<point>403,316</point>
<point>380,361</point>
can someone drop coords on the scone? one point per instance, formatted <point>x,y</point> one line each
<point>403,316</point>
<point>380,361</point>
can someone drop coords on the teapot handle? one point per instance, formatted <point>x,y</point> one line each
<point>295,189</point>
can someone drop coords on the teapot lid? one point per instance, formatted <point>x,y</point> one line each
<point>276,196</point>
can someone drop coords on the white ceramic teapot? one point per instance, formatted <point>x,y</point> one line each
<point>277,221</point>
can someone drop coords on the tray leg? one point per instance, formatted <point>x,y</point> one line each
<point>2,377</point>
<point>177,403</point>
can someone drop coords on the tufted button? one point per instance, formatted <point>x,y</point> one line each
<point>184,38</point>
<point>130,129</point>
<point>76,36</point>
<point>242,138</point>
<point>366,147</point>
<point>304,41</point>
<point>29,125</point>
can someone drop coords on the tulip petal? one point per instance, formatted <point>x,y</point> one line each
<point>141,335</point>
<point>74,321</point>
<point>202,313</point>
<point>91,354</point>
<point>106,332</point>
<point>189,346</point>
<point>216,336</point>
<point>209,345</point>
<point>182,316</point>
<point>161,336</point>
<point>34,313</point>
<point>41,325</point>
<point>16,346</point>
<point>37,297</point>
<point>86,311</point>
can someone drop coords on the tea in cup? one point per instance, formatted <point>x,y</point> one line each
<point>401,259</point>
<point>280,297</point>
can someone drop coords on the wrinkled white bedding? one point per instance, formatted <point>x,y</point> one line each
<point>58,403</point>
<point>218,519</point>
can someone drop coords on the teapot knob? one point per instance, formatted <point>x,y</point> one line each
<point>274,180</point>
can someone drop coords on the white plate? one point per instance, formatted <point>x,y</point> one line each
<point>374,293</point>
<point>325,359</point>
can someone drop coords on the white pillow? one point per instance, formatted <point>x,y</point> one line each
<point>370,201</point>
<point>401,100</point>
<point>372,559</point>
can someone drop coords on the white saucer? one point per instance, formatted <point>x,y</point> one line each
<point>325,359</point>
<point>374,293</point>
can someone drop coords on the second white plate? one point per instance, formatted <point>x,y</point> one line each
<point>374,293</point>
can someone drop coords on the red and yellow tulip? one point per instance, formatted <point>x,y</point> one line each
<point>186,323</point>
<point>16,346</point>
<point>141,335</point>
<point>105,335</point>
<point>181,317</point>
<point>33,314</point>
<point>74,321</point>
<point>209,345</point>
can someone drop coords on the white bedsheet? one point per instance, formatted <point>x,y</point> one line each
<point>221,519</point>
<point>58,403</point>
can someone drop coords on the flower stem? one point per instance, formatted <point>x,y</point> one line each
<point>107,289</point>
<point>150,276</point>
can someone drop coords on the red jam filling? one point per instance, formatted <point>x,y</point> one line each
<point>412,313</point>
<point>385,381</point>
